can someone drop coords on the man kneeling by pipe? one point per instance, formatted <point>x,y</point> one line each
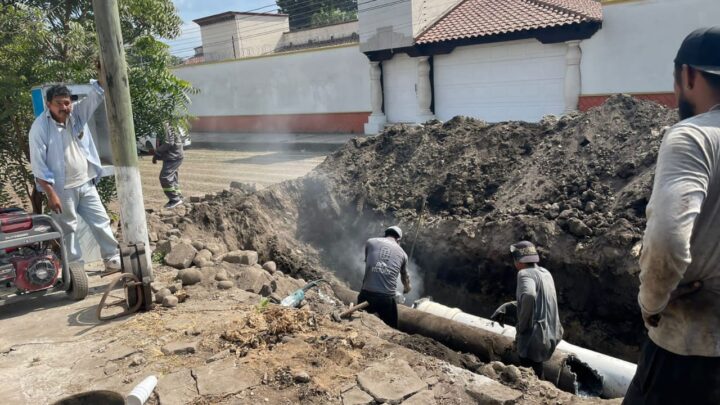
<point>384,261</point>
<point>538,326</point>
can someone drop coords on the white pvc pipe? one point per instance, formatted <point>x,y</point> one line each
<point>142,391</point>
<point>616,374</point>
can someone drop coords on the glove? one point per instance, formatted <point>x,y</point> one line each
<point>507,310</point>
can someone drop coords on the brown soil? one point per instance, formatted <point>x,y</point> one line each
<point>577,186</point>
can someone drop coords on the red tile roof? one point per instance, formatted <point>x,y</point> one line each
<point>481,18</point>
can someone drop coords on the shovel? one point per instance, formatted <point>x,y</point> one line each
<point>337,317</point>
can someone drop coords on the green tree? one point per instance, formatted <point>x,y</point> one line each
<point>302,11</point>
<point>329,16</point>
<point>47,41</point>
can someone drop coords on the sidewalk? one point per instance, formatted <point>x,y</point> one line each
<point>269,141</point>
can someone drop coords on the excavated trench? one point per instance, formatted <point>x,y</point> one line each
<point>577,186</point>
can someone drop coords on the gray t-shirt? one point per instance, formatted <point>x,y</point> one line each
<point>538,328</point>
<point>77,172</point>
<point>384,261</point>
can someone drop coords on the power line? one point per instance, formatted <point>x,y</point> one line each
<point>373,8</point>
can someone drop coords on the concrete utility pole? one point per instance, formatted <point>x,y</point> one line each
<point>122,129</point>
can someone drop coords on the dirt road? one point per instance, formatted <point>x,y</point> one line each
<point>206,170</point>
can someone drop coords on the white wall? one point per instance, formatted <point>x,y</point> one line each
<point>260,34</point>
<point>318,81</point>
<point>426,12</point>
<point>635,49</point>
<point>319,34</point>
<point>217,40</point>
<point>519,80</point>
<point>385,24</point>
<point>392,24</point>
<point>399,79</point>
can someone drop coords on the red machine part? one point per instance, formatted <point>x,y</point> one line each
<point>36,272</point>
<point>15,221</point>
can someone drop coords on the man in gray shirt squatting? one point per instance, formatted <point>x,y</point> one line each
<point>384,261</point>
<point>538,326</point>
<point>680,261</point>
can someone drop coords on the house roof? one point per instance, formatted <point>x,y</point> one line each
<point>485,18</point>
<point>230,15</point>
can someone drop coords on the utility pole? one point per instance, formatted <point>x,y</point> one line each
<point>122,130</point>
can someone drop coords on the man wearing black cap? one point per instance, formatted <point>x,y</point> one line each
<point>385,260</point>
<point>538,326</point>
<point>680,261</point>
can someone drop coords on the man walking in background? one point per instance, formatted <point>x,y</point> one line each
<point>680,261</point>
<point>171,153</point>
<point>385,260</point>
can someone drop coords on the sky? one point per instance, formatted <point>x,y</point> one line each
<point>194,9</point>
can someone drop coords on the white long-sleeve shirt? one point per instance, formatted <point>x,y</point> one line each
<point>682,239</point>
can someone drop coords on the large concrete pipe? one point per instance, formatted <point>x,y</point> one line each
<point>563,369</point>
<point>616,374</point>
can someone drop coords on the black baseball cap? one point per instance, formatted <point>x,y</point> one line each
<point>701,50</point>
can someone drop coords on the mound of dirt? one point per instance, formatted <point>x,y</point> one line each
<point>465,190</point>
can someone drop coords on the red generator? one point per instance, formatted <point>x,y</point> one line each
<point>33,257</point>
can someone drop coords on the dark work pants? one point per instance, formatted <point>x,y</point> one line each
<point>169,178</point>
<point>384,306</point>
<point>667,378</point>
<point>537,366</point>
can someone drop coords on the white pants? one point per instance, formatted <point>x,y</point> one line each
<point>85,202</point>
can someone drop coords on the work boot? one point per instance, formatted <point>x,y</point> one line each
<point>173,203</point>
<point>113,263</point>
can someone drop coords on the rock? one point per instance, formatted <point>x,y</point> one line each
<point>190,276</point>
<point>198,245</point>
<point>356,396</point>
<point>110,369</point>
<point>174,288</point>
<point>221,275</point>
<point>511,374</point>
<point>156,286</point>
<point>266,290</point>
<point>178,388</point>
<point>165,246</point>
<point>275,298</point>
<point>390,380</point>
<point>137,360</point>
<point>210,196</point>
<point>153,236</point>
<point>578,228</point>
<point>225,285</point>
<point>430,381</point>
<point>181,256</point>
<point>490,392</point>
<point>180,348</point>
<point>174,220</point>
<point>218,356</point>
<point>301,377</point>
<point>216,248</point>
<point>252,279</point>
<point>174,232</point>
<point>246,257</point>
<point>421,398</point>
<point>162,294</point>
<point>203,256</point>
<point>590,208</point>
<point>270,267</point>
<point>196,198</point>
<point>170,301</point>
<point>223,378</point>
<point>164,213</point>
